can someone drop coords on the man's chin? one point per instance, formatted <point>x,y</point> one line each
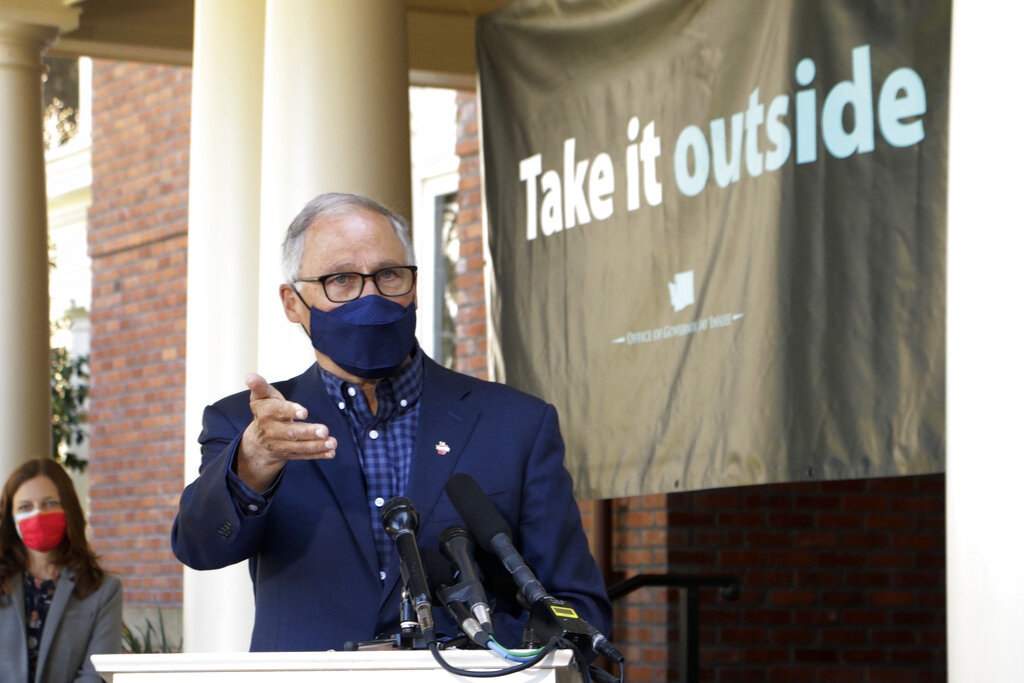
<point>336,370</point>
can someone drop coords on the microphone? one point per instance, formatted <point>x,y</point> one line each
<point>549,616</point>
<point>401,521</point>
<point>439,575</point>
<point>492,531</point>
<point>458,546</point>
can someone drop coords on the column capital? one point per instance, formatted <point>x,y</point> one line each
<point>22,45</point>
<point>59,14</point>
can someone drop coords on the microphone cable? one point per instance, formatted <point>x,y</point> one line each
<point>552,644</point>
<point>513,655</point>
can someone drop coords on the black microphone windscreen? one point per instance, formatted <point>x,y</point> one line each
<point>399,514</point>
<point>476,509</point>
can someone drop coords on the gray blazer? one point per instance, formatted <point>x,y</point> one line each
<point>74,630</point>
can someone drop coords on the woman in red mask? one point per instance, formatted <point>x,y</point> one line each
<point>57,606</point>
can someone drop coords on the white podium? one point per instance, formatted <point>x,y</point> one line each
<point>377,666</point>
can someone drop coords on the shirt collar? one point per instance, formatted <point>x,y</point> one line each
<point>399,391</point>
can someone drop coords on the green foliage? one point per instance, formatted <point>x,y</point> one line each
<point>60,100</point>
<point>69,388</point>
<point>149,640</point>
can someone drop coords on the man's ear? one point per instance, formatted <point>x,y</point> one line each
<point>293,307</point>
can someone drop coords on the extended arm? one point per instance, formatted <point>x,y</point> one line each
<point>245,446</point>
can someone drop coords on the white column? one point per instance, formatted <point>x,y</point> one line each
<point>326,81</point>
<point>335,118</point>
<point>985,337</point>
<point>223,272</point>
<point>24,306</point>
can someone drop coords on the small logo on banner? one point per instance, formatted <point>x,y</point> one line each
<point>680,291</point>
<point>442,448</point>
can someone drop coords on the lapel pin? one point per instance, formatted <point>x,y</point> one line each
<point>442,448</point>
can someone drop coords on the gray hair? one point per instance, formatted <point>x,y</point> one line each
<point>329,204</point>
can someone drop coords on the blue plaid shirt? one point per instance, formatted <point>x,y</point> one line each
<point>384,439</point>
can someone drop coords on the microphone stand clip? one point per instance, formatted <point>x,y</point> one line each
<point>409,637</point>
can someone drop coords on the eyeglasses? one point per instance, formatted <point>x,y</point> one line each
<point>342,287</point>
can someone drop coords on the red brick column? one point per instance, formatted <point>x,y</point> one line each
<point>137,242</point>
<point>471,320</point>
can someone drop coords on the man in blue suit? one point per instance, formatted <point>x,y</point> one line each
<point>294,474</point>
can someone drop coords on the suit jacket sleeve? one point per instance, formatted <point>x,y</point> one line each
<point>209,532</point>
<point>550,531</point>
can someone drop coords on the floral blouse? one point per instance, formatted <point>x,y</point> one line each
<point>38,596</point>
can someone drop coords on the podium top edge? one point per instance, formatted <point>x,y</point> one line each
<point>309,661</point>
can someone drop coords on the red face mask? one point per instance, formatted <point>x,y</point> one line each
<point>42,531</point>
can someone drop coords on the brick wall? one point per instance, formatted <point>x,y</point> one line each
<point>471,319</point>
<point>137,242</point>
<point>840,581</point>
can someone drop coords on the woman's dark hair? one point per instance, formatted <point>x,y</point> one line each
<point>73,551</point>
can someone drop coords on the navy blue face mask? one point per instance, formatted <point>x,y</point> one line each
<point>369,337</point>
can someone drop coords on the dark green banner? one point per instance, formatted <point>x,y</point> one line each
<point>718,234</point>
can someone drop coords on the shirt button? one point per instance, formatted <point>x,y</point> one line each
<point>253,507</point>
<point>341,405</point>
<point>374,434</point>
<point>403,403</point>
<point>351,391</point>
<point>383,575</point>
<point>379,502</point>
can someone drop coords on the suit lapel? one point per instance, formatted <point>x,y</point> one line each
<point>443,428</point>
<point>445,423</point>
<point>61,597</point>
<point>343,473</point>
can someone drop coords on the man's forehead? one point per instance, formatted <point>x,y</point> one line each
<point>356,222</point>
<point>343,240</point>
